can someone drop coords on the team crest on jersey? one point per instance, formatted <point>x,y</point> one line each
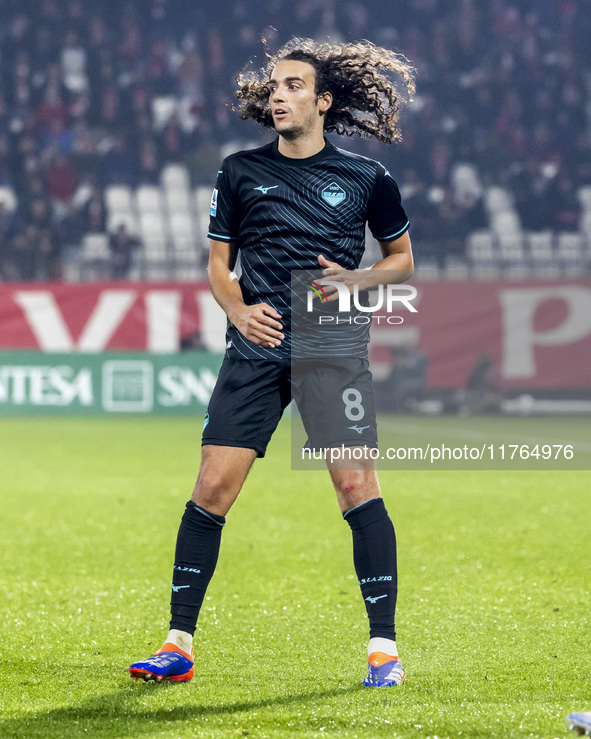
<point>334,194</point>
<point>213,206</point>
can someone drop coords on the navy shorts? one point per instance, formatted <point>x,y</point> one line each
<point>334,397</point>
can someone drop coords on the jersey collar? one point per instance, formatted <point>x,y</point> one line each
<point>291,162</point>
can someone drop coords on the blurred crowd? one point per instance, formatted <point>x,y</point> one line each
<point>102,92</point>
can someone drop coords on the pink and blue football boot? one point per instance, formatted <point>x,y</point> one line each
<point>169,663</point>
<point>383,671</point>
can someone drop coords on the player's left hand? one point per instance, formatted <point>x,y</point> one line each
<point>349,277</point>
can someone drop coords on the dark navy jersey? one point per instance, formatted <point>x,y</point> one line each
<point>283,212</point>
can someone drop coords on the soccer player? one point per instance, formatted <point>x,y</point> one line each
<point>298,203</point>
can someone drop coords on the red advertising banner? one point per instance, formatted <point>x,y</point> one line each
<point>106,316</point>
<point>537,333</point>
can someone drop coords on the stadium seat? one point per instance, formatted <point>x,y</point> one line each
<point>175,177</point>
<point>127,218</point>
<point>157,272</point>
<point>482,255</point>
<point>547,272</point>
<point>427,270</point>
<point>511,249</point>
<point>569,241</point>
<point>135,273</point>
<point>181,225</point>
<point>456,268</point>
<point>231,147</point>
<point>584,194</point>
<point>182,235</point>
<point>465,174</point>
<point>481,239</point>
<point>162,109</point>
<point>184,248</point>
<point>186,113</point>
<point>540,247</point>
<point>178,200</point>
<point>118,199</point>
<point>569,250</point>
<point>202,203</point>
<point>185,253</point>
<point>8,197</point>
<point>517,272</point>
<point>186,273</point>
<point>481,248</point>
<point>497,200</point>
<point>71,271</point>
<point>505,223</point>
<point>82,195</point>
<point>485,272</point>
<point>148,198</point>
<point>155,246</point>
<point>203,199</point>
<point>95,247</point>
<point>152,226</point>
<point>586,224</point>
<point>466,184</point>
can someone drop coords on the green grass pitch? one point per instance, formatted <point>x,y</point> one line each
<point>493,616</point>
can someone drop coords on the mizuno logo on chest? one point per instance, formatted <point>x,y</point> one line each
<point>265,190</point>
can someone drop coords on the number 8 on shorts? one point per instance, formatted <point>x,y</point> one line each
<point>354,409</point>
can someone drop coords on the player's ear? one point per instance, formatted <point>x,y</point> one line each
<point>324,101</point>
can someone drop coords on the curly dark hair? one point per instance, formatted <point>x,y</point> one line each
<point>366,102</point>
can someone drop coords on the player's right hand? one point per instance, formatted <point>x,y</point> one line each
<point>260,324</point>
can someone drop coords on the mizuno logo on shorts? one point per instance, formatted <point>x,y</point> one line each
<point>359,429</point>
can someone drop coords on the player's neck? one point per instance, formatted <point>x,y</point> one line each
<point>303,146</point>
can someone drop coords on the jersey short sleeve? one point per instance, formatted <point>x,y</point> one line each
<point>385,215</point>
<point>224,210</point>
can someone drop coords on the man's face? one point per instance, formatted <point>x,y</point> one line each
<point>294,105</point>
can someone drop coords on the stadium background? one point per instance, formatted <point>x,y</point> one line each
<point>114,116</point>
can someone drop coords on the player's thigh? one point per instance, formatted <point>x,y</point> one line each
<point>222,473</point>
<point>336,402</point>
<point>246,404</point>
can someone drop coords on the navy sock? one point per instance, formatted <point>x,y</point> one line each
<point>374,556</point>
<point>197,549</point>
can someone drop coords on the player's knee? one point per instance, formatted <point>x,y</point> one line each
<point>355,487</point>
<point>350,486</point>
<point>213,490</point>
